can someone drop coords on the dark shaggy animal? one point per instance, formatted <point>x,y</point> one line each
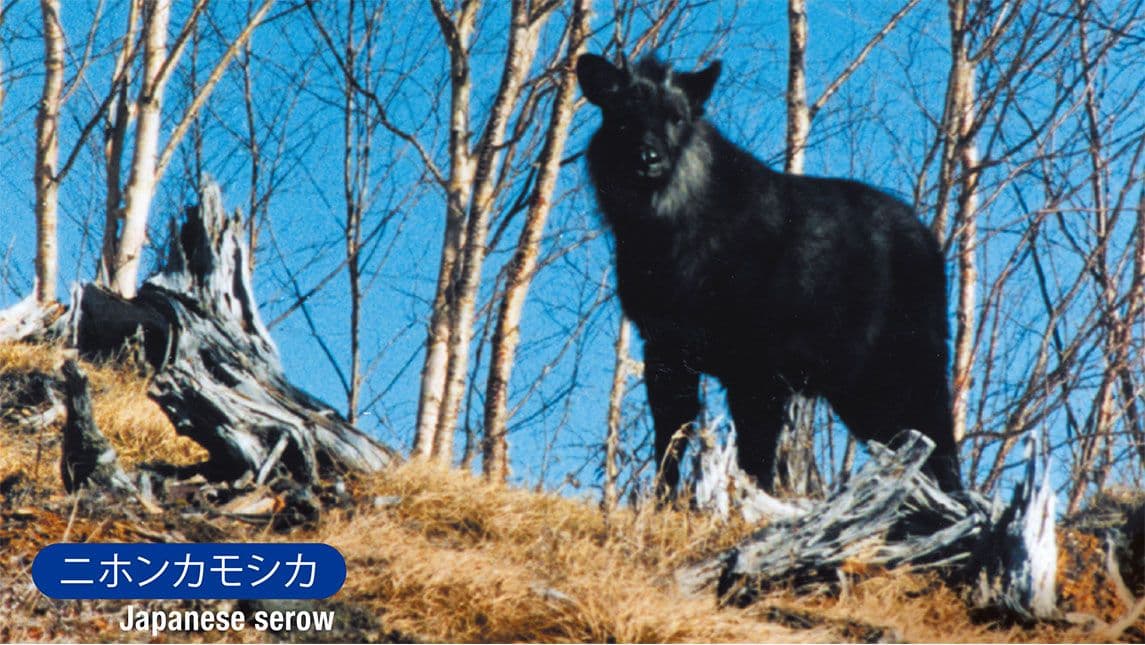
<point>773,283</point>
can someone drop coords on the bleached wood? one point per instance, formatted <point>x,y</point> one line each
<point>721,487</point>
<point>1019,560</point>
<point>892,515</point>
<point>29,320</point>
<point>217,371</point>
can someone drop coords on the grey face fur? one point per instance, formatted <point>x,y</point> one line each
<point>649,114</point>
<point>688,178</point>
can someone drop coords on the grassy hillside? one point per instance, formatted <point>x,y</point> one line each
<point>435,555</point>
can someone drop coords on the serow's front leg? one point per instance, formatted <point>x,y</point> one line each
<point>673,395</point>
<point>758,410</point>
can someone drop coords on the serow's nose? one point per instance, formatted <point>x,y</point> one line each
<point>649,156</point>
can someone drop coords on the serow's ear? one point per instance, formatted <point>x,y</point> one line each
<point>698,85</point>
<point>599,79</point>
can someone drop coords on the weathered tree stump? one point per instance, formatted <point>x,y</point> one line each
<point>891,515</point>
<point>87,459</point>
<point>217,372</point>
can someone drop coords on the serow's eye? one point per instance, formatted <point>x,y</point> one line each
<point>677,118</point>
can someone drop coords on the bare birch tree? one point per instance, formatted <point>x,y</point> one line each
<point>456,31</point>
<point>620,373</point>
<point>118,120</point>
<point>272,149</point>
<point>47,154</point>
<point>1063,370</point>
<point>357,145</point>
<point>1095,456</point>
<point>798,116</point>
<point>524,30</point>
<point>124,268</point>
<point>959,146</point>
<point>474,180</point>
<point>122,256</point>
<point>520,270</point>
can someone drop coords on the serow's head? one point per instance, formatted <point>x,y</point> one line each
<point>649,110</point>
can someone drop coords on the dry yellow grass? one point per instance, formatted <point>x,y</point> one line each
<point>453,558</point>
<point>131,421</point>
<point>444,556</point>
<point>457,559</point>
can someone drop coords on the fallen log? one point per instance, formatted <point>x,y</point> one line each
<point>216,370</point>
<point>892,515</point>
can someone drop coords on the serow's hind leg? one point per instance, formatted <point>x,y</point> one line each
<point>943,465</point>
<point>926,408</point>
<point>882,415</point>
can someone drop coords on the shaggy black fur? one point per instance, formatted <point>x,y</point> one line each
<point>773,283</point>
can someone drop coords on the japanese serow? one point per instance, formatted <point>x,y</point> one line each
<point>772,283</point>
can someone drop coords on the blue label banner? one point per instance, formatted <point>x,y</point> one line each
<point>205,571</point>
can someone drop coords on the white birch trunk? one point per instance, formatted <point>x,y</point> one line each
<point>47,154</point>
<point>141,184</point>
<point>620,375</point>
<point>506,335</point>
<point>436,367</point>
<point>798,117</point>
<point>523,32</point>
<point>966,226</point>
<point>121,115</point>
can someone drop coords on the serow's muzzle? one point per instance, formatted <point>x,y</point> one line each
<point>652,164</point>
